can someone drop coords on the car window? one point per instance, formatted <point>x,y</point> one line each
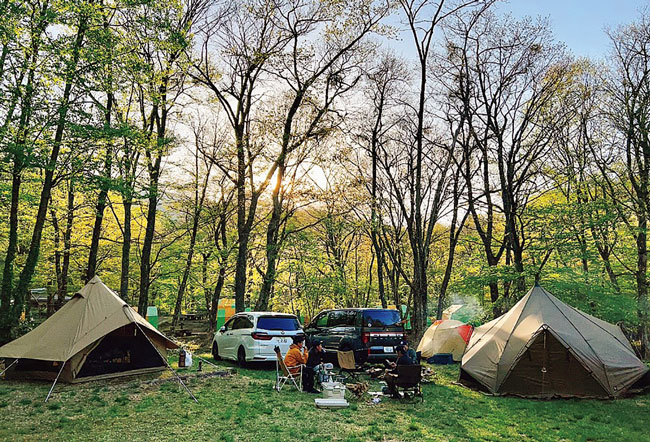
<point>321,321</point>
<point>381,318</point>
<point>242,322</point>
<point>340,318</point>
<point>228,325</point>
<point>287,323</point>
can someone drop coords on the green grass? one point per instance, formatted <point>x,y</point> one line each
<point>245,408</point>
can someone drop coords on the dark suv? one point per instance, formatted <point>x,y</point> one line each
<point>371,332</point>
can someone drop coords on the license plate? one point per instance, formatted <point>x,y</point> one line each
<point>388,349</point>
<point>282,340</point>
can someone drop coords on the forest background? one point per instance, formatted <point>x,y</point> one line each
<point>278,152</point>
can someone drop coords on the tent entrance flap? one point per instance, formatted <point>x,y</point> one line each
<point>548,369</point>
<point>124,349</point>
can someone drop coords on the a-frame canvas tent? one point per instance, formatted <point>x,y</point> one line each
<point>95,335</point>
<point>544,348</point>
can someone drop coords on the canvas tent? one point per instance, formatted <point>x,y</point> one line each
<point>96,335</point>
<point>543,348</point>
<point>445,336</point>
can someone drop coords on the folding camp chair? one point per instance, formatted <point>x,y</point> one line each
<point>283,374</point>
<point>408,379</point>
<point>347,363</point>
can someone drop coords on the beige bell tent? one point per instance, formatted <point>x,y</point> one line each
<point>446,336</point>
<point>543,348</point>
<point>95,335</point>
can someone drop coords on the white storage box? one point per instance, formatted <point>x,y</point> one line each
<point>331,403</point>
<point>333,390</point>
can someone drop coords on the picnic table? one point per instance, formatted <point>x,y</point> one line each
<point>193,316</point>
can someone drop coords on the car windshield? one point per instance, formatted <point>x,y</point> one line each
<point>380,318</point>
<point>286,323</point>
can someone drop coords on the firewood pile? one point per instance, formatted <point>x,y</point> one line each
<point>357,389</point>
<point>375,372</point>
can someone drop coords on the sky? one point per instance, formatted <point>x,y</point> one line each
<point>580,24</point>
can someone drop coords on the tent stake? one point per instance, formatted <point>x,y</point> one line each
<point>159,354</point>
<point>10,365</point>
<point>206,361</point>
<point>57,378</point>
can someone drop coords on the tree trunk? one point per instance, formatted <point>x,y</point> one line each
<point>272,243</point>
<point>420,307</point>
<point>8,272</point>
<point>216,294</point>
<point>186,272</point>
<point>91,268</point>
<point>48,182</point>
<point>145,263</point>
<point>126,249</point>
<point>31,60</point>
<point>642,285</point>
<point>204,280</point>
<point>446,278</point>
<point>67,244</point>
<point>57,261</point>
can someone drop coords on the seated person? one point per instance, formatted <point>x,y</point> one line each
<point>297,355</point>
<point>391,376</point>
<point>410,352</point>
<point>314,364</point>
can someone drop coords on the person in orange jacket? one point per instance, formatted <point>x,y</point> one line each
<point>297,354</point>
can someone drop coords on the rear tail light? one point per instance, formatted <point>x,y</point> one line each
<point>365,337</point>
<point>261,336</point>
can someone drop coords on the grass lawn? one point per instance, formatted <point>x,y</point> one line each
<point>245,408</point>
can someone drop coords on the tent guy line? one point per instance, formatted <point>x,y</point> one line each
<point>128,309</point>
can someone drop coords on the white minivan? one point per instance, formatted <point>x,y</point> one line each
<point>252,336</point>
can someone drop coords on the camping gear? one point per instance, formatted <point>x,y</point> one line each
<point>152,315</point>
<point>408,379</point>
<point>445,336</point>
<point>333,390</point>
<point>331,403</point>
<point>283,375</point>
<point>544,348</point>
<point>441,359</point>
<point>181,358</point>
<point>347,364</point>
<point>184,358</point>
<point>96,335</point>
<point>358,389</point>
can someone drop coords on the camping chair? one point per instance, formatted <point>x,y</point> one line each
<point>283,374</point>
<point>347,364</point>
<point>408,379</point>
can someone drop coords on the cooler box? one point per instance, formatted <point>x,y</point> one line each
<point>152,316</point>
<point>333,390</point>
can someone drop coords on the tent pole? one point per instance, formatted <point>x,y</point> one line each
<point>159,354</point>
<point>10,365</point>
<point>57,378</point>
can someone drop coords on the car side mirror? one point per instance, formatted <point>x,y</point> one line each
<point>222,329</point>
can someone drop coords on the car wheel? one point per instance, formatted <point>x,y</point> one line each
<point>241,357</point>
<point>215,351</point>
